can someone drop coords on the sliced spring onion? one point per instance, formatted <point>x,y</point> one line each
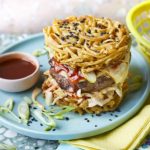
<point>48,49</point>
<point>8,107</point>
<point>48,98</point>
<point>23,111</point>
<point>44,118</point>
<point>27,100</point>
<point>65,110</point>
<point>39,52</point>
<point>35,93</point>
<point>7,147</point>
<point>9,104</point>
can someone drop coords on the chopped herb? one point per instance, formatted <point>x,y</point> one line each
<point>39,52</point>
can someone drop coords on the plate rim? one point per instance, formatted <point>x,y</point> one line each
<point>52,136</point>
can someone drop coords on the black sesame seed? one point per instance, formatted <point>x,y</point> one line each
<point>88,120</point>
<point>110,119</point>
<point>28,124</point>
<point>89,31</point>
<point>116,115</point>
<point>56,34</point>
<point>76,37</point>
<point>67,37</point>
<point>118,110</point>
<point>41,65</point>
<point>85,118</point>
<point>41,124</point>
<point>116,30</point>
<point>75,28</point>
<point>111,114</point>
<point>102,33</point>
<point>95,126</point>
<point>92,115</point>
<point>53,129</point>
<point>63,38</point>
<point>36,147</point>
<point>83,20</point>
<point>67,118</point>
<point>19,117</point>
<point>75,24</point>
<point>119,26</point>
<point>98,114</point>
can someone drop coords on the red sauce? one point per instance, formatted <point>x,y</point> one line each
<point>16,68</point>
<point>74,75</point>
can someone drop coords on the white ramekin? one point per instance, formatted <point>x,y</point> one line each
<point>22,84</point>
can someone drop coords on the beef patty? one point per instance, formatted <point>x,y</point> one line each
<point>101,83</point>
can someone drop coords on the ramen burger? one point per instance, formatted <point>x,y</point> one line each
<point>89,63</point>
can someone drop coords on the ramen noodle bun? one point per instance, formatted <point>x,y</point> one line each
<point>89,63</point>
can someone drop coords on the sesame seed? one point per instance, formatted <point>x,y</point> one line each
<point>95,126</point>
<point>41,124</point>
<point>56,34</point>
<point>53,129</point>
<point>110,119</point>
<point>89,31</point>
<point>67,118</point>
<point>63,38</point>
<point>36,147</point>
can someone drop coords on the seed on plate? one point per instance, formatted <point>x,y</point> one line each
<point>67,118</point>
<point>95,126</point>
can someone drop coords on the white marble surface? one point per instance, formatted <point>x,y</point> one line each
<point>22,16</point>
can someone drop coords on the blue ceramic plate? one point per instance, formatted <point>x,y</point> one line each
<point>76,126</point>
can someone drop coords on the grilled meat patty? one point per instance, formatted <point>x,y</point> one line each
<point>101,83</point>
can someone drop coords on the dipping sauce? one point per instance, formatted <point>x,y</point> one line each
<point>16,68</point>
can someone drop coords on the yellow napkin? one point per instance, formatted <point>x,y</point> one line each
<point>126,137</point>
